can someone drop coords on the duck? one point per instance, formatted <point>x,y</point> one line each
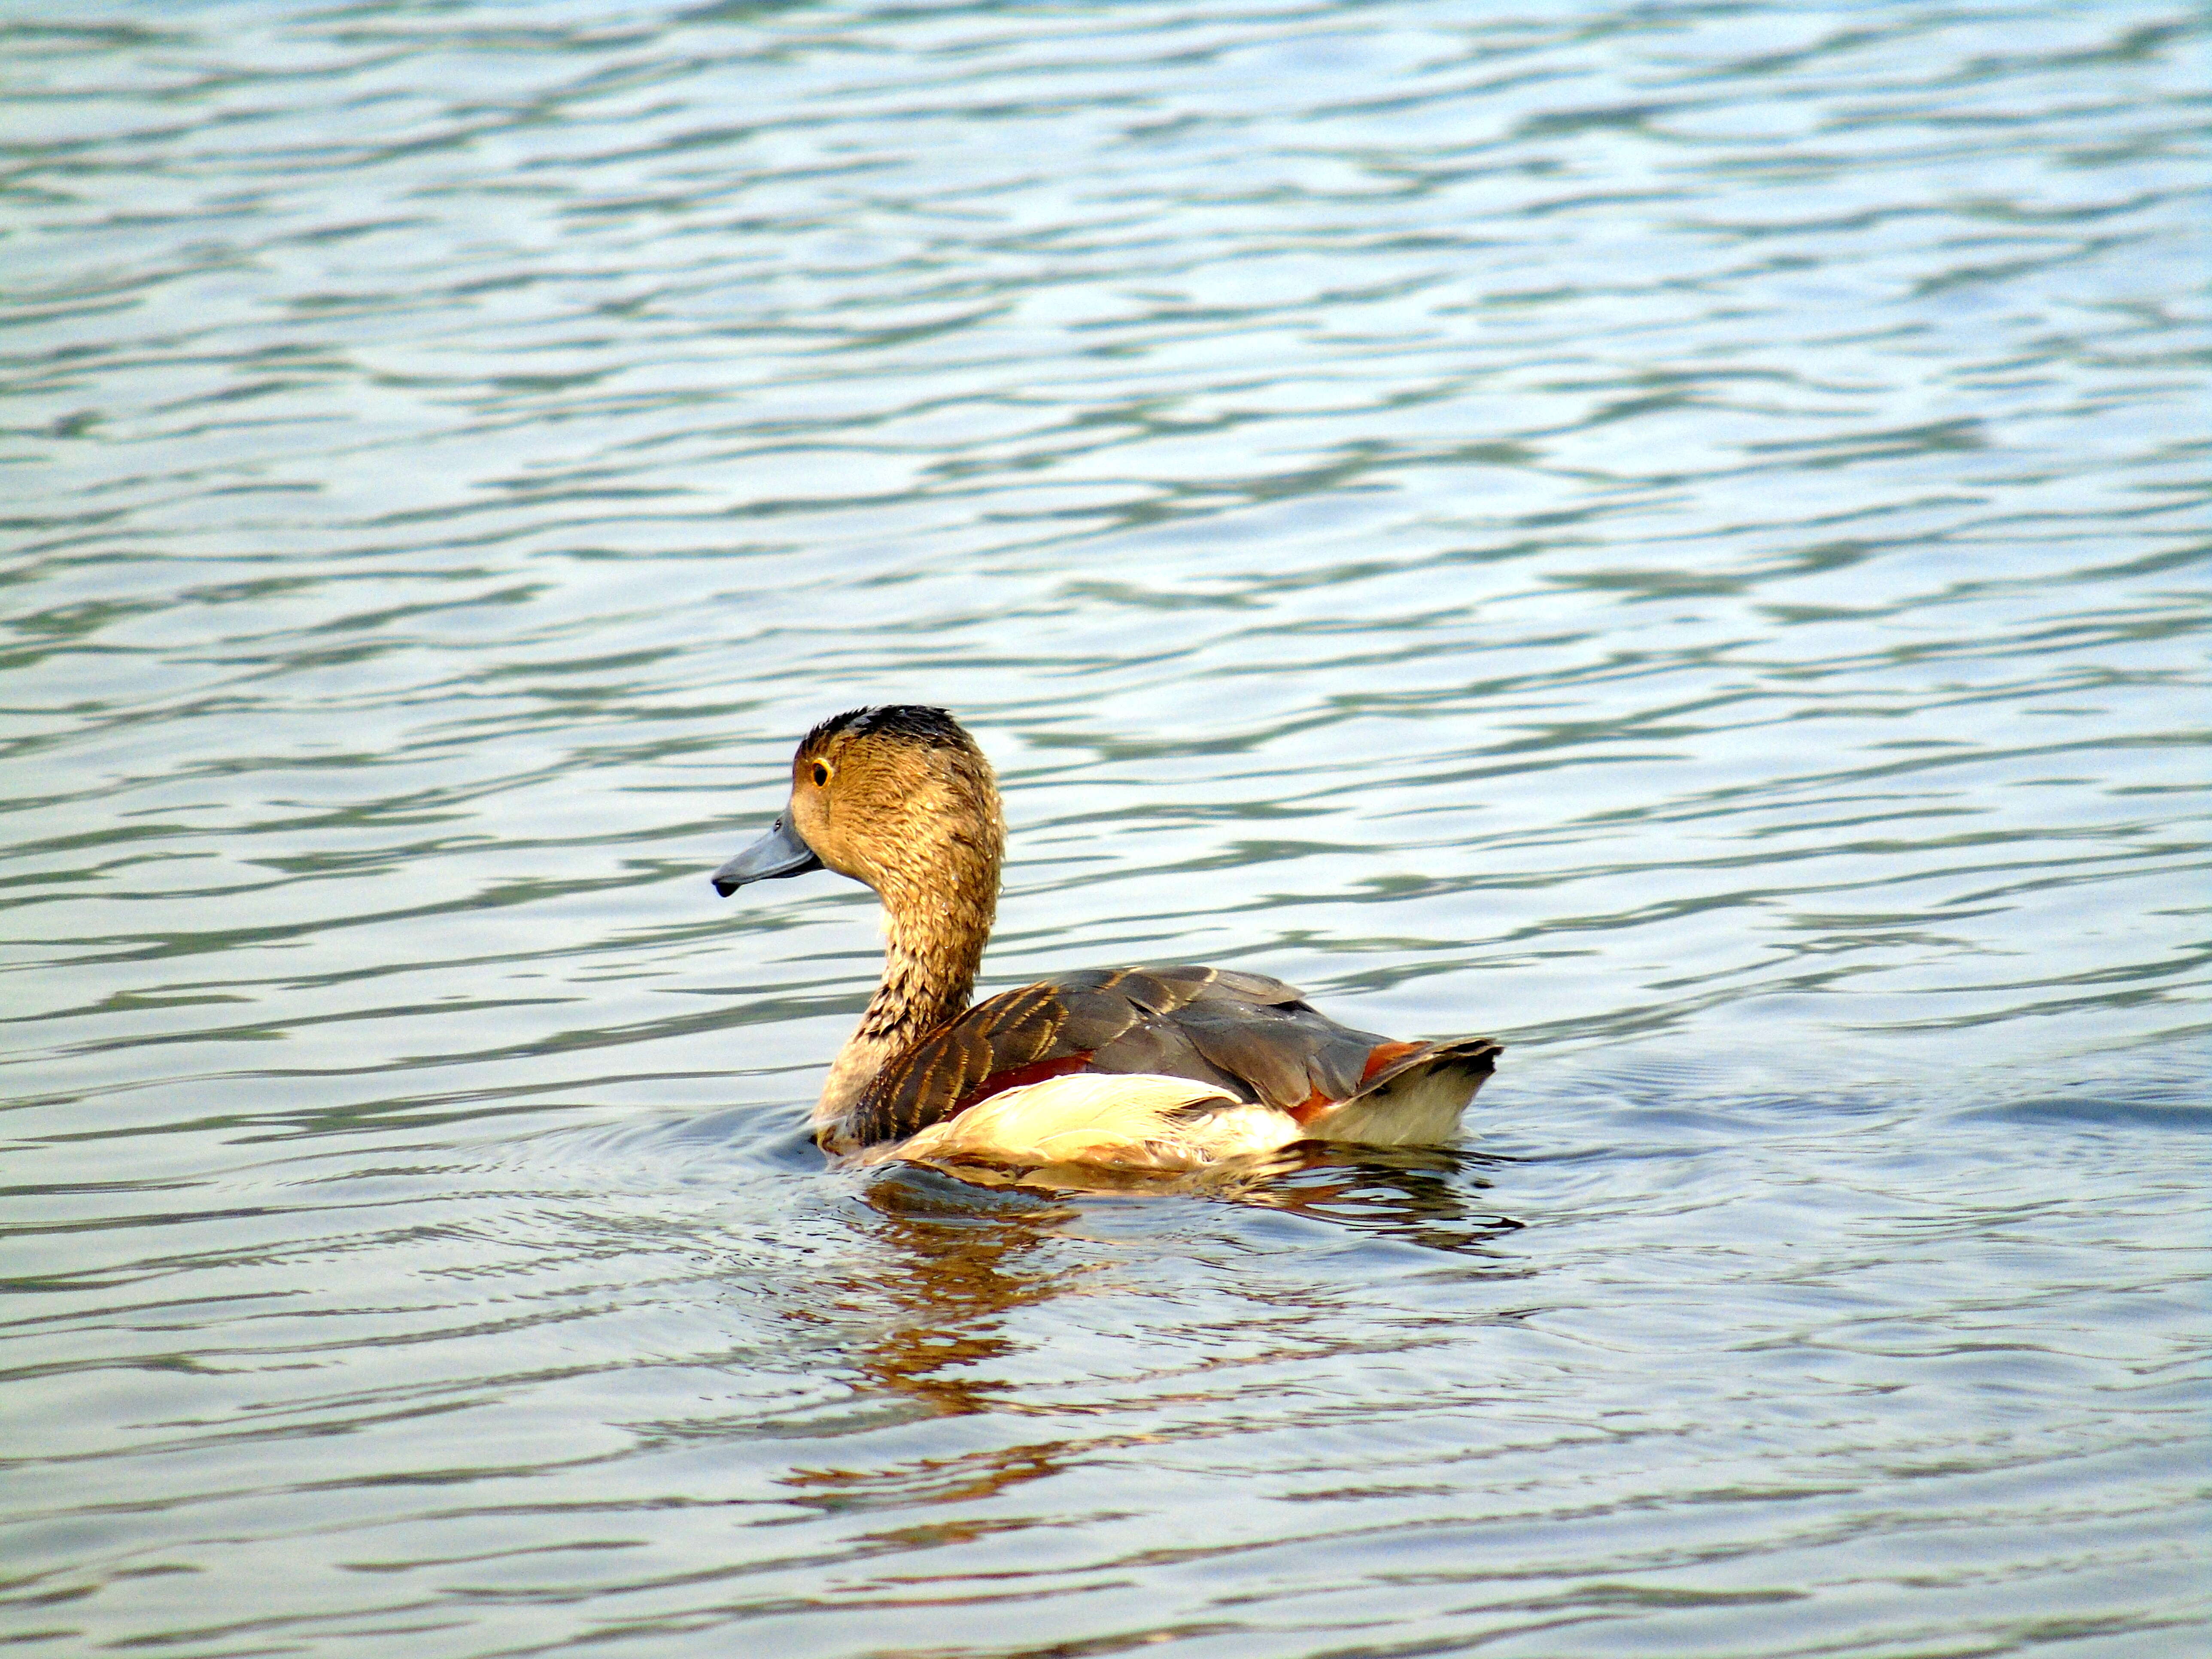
<point>1173,1068</point>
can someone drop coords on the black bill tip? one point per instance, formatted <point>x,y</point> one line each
<point>781,852</point>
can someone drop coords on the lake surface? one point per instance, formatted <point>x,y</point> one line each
<point>1674,535</point>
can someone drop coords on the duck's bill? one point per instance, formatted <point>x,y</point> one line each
<point>779,853</point>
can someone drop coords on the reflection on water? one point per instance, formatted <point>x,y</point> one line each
<point>950,1258</point>
<point>1670,534</point>
<point>1428,1198</point>
<point>948,1265</point>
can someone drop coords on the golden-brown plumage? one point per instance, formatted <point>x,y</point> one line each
<point>1217,1063</point>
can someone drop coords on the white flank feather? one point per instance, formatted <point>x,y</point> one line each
<point>1136,1118</point>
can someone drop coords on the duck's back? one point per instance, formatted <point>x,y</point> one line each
<point>1255,1037</point>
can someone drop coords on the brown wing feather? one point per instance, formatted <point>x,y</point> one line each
<point>1253,1036</point>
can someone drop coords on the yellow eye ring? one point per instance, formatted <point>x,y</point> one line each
<point>821,773</point>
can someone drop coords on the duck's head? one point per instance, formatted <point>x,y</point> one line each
<point>898,797</point>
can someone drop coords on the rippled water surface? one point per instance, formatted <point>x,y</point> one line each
<point>1671,534</point>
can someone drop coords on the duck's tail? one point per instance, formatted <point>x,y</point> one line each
<point>1414,1098</point>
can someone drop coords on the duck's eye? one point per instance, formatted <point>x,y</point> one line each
<point>821,775</point>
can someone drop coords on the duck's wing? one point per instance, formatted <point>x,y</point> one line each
<point>1253,1037</point>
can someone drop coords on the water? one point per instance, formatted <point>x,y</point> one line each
<point>1670,534</point>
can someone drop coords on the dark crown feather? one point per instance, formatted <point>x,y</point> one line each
<point>904,722</point>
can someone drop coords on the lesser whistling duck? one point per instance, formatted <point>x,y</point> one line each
<point>1170,1068</point>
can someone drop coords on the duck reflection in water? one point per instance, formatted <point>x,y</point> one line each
<point>964,1249</point>
<point>948,1261</point>
<point>953,1255</point>
<point>956,1260</point>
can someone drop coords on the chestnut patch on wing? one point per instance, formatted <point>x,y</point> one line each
<point>1387,1053</point>
<point>1015,1077</point>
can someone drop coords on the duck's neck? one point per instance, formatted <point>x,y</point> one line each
<point>933,940</point>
